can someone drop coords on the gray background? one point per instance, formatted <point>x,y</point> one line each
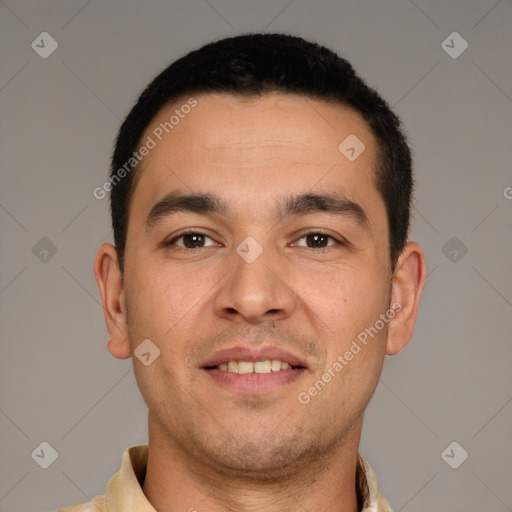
<point>59,117</point>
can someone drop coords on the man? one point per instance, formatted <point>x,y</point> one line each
<point>260,196</point>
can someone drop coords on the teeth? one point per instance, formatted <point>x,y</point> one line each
<point>245,367</point>
<point>262,366</point>
<point>275,365</point>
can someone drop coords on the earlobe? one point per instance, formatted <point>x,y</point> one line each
<point>110,284</point>
<point>118,348</point>
<point>408,283</point>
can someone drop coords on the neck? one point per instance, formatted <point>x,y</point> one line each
<point>177,481</point>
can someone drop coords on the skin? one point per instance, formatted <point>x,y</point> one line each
<point>212,448</point>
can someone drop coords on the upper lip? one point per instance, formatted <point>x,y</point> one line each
<point>252,354</point>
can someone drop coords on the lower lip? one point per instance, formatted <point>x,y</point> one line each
<point>255,382</point>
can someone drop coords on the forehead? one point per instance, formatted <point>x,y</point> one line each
<point>255,147</point>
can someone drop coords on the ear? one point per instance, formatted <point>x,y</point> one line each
<point>110,284</point>
<point>408,283</point>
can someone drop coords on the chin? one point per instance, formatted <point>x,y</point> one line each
<point>260,456</point>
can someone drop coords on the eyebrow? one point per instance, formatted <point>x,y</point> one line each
<point>298,205</point>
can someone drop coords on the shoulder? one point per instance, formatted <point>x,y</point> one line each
<point>96,504</point>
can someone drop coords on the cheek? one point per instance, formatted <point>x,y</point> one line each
<point>167,306</point>
<point>159,298</point>
<point>345,299</point>
<point>159,388</point>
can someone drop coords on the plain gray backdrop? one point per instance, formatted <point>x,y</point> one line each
<point>59,118</point>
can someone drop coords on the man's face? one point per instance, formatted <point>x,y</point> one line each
<point>321,279</point>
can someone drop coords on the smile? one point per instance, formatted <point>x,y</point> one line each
<point>246,367</point>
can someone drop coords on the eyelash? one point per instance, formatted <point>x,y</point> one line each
<point>195,232</point>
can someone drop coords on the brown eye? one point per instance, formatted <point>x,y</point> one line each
<point>190,241</point>
<point>317,241</point>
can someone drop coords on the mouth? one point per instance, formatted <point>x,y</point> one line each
<point>259,367</point>
<point>249,371</point>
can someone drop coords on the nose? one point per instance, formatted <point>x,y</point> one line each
<point>255,292</point>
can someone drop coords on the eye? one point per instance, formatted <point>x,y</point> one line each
<point>191,240</point>
<point>318,240</point>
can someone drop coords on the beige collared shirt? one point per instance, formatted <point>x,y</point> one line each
<point>124,492</point>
